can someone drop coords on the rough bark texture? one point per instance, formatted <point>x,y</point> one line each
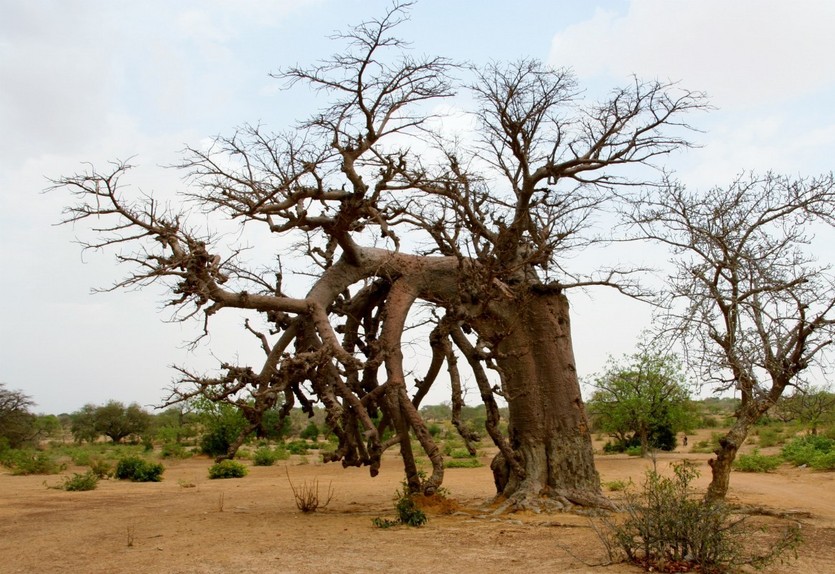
<point>749,413</point>
<point>549,431</point>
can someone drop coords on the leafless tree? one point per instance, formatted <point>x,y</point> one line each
<point>477,232</point>
<point>752,305</point>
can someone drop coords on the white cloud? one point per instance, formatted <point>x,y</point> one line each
<point>740,52</point>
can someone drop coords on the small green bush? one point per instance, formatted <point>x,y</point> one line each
<point>310,432</point>
<point>175,450</point>
<point>633,451</point>
<point>100,467</point>
<point>771,437</point>
<point>756,462</point>
<point>79,482</point>
<point>462,463</point>
<point>617,485</point>
<point>26,461</point>
<point>227,469</point>
<point>264,456</point>
<point>805,449</point>
<point>297,447</point>
<point>460,453</point>
<point>824,461</point>
<point>408,513</point>
<point>138,469</point>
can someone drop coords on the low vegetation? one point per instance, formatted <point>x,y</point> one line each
<point>138,469</point>
<point>407,511</point>
<point>668,528</point>
<point>816,451</point>
<point>80,482</point>
<point>756,462</point>
<point>228,469</point>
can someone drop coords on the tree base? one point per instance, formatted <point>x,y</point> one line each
<point>555,501</point>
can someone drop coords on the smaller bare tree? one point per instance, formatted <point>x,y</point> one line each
<point>752,306</point>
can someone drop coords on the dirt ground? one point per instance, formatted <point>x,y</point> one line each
<point>190,524</point>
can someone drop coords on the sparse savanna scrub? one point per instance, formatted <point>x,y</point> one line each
<point>756,462</point>
<point>667,527</point>
<point>30,461</point>
<point>815,451</point>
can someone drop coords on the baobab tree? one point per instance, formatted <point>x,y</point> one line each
<point>753,308</point>
<point>392,215</point>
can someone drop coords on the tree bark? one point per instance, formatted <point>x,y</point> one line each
<point>549,431</point>
<point>720,467</point>
<point>729,445</point>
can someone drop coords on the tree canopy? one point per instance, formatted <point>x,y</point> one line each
<point>642,398</point>
<point>113,420</point>
<point>17,423</point>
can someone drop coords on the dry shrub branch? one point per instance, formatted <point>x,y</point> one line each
<point>307,496</point>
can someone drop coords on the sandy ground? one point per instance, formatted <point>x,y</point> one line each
<point>190,524</point>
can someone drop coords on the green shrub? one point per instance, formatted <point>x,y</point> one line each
<point>460,453</point>
<point>100,467</point>
<point>408,513</point>
<point>707,422</point>
<point>805,449</point>
<point>138,469</point>
<point>471,462</point>
<point>310,432</point>
<point>175,450</point>
<point>824,461</point>
<point>297,447</point>
<point>707,446</point>
<point>756,462</point>
<point>667,525</point>
<point>617,485</point>
<point>27,461</point>
<point>227,469</point>
<point>78,482</point>
<point>264,456</point>
<point>633,451</point>
<point>771,437</point>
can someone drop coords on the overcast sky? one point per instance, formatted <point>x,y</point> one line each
<point>96,80</point>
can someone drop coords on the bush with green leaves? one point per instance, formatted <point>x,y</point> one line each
<point>222,424</point>
<point>29,461</point>
<point>79,482</point>
<point>756,462</point>
<point>310,432</point>
<point>407,511</point>
<point>138,469</point>
<point>771,436</point>
<point>807,449</point>
<point>297,447</point>
<point>175,450</point>
<point>666,525</point>
<point>824,461</point>
<point>100,468</point>
<point>469,462</point>
<point>227,469</point>
<point>264,456</point>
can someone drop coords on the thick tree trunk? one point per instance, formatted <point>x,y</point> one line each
<point>549,431</point>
